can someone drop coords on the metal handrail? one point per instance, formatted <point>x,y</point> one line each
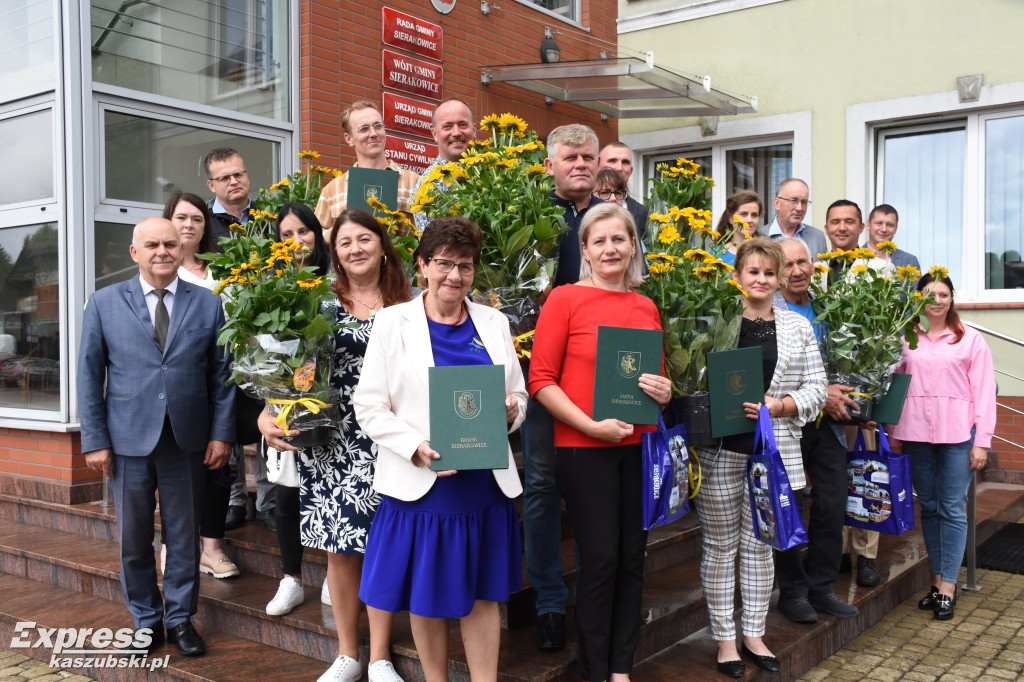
<point>992,332</point>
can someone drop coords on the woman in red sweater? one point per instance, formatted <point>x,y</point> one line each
<point>598,469</point>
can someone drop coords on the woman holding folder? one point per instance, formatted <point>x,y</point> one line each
<point>794,392</point>
<point>443,544</point>
<point>598,467</point>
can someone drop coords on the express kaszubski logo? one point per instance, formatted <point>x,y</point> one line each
<point>89,647</point>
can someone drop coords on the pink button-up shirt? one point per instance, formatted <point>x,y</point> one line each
<point>952,388</point>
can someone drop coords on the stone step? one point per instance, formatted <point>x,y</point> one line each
<point>905,571</point>
<point>229,657</point>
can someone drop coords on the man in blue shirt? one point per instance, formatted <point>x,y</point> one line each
<point>806,585</point>
<point>791,203</point>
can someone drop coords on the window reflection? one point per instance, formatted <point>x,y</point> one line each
<point>113,262</point>
<point>29,317</point>
<point>1004,203</point>
<point>26,173</point>
<point>27,49</point>
<point>760,169</point>
<point>924,181</point>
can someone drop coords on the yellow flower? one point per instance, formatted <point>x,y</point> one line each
<point>938,272</point>
<point>698,255</point>
<point>661,167</point>
<point>918,295</point>
<point>820,269</point>
<point>284,183</point>
<point>887,247</point>
<point>743,224</point>
<point>376,204</point>
<point>337,173</point>
<point>908,273</point>
<point>720,264</point>
<point>660,218</point>
<point>506,163</point>
<point>513,124</point>
<point>691,166</point>
<point>536,169</point>
<point>668,235</point>
<point>309,154</point>
<point>862,252</point>
<point>706,272</point>
<point>659,269</point>
<point>858,269</point>
<point>737,285</point>
<point>662,256</point>
<point>309,283</point>
<point>237,227</point>
<point>489,122</point>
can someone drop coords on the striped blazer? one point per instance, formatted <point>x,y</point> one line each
<point>799,374</point>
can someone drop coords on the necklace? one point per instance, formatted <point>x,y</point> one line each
<point>372,308</point>
<point>462,313</point>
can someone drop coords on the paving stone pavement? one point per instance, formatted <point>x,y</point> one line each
<point>984,641</point>
<point>15,666</point>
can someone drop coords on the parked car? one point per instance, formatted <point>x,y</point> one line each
<point>41,372</point>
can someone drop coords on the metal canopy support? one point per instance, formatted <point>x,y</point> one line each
<point>626,87</point>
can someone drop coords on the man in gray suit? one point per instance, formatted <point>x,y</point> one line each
<point>164,414</point>
<point>791,203</point>
<point>881,227</point>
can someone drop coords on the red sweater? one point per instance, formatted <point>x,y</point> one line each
<point>565,347</point>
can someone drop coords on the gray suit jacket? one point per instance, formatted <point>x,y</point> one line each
<point>814,237</point>
<point>639,213</point>
<point>185,381</point>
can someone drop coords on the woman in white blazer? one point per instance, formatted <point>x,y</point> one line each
<point>795,389</point>
<point>442,545</point>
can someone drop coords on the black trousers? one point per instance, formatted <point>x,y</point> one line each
<point>602,488</point>
<point>825,464</point>
<point>288,537</point>
<point>215,506</point>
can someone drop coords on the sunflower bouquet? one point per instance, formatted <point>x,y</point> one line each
<point>276,319</point>
<point>699,301</point>
<point>500,184</point>
<point>867,310</point>
<point>403,233</point>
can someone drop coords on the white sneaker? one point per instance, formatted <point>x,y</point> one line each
<point>383,671</point>
<point>325,594</point>
<point>289,595</point>
<point>344,669</point>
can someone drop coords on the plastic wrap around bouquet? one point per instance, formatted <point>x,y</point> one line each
<point>500,184</point>
<point>867,311</point>
<point>292,375</point>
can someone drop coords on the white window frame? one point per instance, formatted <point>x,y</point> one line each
<point>866,121</point>
<point>575,20</point>
<point>794,128</point>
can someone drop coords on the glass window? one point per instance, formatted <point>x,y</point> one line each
<point>113,261</point>
<point>232,54</point>
<point>760,169</point>
<point>568,9</point>
<point>27,47</point>
<point>26,173</point>
<point>923,178</point>
<point>29,317</point>
<point>1004,202</point>
<point>146,159</point>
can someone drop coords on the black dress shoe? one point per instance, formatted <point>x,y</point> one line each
<point>731,668</point>
<point>550,634</point>
<point>268,519</point>
<point>235,518</point>
<point>149,640</point>
<point>867,574</point>
<point>927,602</point>
<point>797,609</point>
<point>766,663</point>
<point>189,642</point>
<point>831,604</point>
<point>944,606</point>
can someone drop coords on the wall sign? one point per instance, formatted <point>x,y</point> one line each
<point>407,114</point>
<point>443,6</point>
<point>408,74</point>
<point>412,154</point>
<point>407,32</point>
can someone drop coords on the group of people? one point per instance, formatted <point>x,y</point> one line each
<point>402,537</point>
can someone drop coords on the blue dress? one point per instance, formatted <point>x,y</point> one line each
<point>336,495</point>
<point>458,543</point>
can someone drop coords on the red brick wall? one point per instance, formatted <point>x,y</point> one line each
<point>341,59</point>
<point>45,465</point>
<point>1006,462</point>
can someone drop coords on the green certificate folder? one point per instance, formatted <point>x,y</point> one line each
<point>734,377</point>
<point>376,183</point>
<point>890,408</point>
<point>623,354</point>
<point>467,417</point>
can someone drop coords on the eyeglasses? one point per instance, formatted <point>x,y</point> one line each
<point>445,266</point>
<point>365,130</point>
<point>793,201</point>
<point>609,193</point>
<point>238,175</point>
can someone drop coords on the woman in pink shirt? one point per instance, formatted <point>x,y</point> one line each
<point>946,428</point>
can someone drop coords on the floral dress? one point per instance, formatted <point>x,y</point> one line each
<point>337,500</point>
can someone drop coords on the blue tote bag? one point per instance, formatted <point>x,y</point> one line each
<point>775,513</point>
<point>666,466</point>
<point>880,493</point>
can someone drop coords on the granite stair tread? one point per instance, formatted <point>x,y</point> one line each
<point>228,658</point>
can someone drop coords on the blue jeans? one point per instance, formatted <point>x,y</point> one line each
<point>542,510</point>
<point>942,475</point>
